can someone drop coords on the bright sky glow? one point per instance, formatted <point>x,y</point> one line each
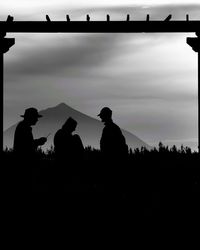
<point>149,80</point>
<point>19,6</point>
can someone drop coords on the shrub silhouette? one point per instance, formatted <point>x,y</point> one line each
<point>153,180</point>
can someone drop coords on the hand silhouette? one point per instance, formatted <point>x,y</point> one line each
<point>42,140</point>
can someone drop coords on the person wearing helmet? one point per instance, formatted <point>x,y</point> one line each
<point>24,143</point>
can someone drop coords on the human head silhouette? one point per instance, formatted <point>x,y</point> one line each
<point>69,125</point>
<point>31,116</point>
<point>105,114</point>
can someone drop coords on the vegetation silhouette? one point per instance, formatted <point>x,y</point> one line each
<point>157,181</point>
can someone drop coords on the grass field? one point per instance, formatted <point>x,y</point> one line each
<point>156,181</point>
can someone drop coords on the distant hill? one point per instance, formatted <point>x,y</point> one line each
<point>88,128</point>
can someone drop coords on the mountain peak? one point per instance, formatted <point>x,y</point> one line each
<point>62,104</point>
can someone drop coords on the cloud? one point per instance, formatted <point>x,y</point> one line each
<point>125,71</point>
<point>98,12</point>
<point>137,12</point>
<point>55,54</point>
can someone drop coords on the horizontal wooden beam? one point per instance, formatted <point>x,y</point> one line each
<point>99,26</point>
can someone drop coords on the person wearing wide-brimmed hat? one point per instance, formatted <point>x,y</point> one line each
<point>24,143</point>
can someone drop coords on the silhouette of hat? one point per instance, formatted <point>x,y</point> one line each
<point>31,112</point>
<point>105,111</point>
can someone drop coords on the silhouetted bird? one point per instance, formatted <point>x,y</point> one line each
<point>68,18</point>
<point>48,18</point>
<point>9,19</point>
<point>112,144</point>
<point>108,18</point>
<point>128,18</point>
<point>168,18</point>
<point>88,18</point>
<point>148,18</point>
<point>68,147</point>
<point>198,34</point>
<point>24,143</point>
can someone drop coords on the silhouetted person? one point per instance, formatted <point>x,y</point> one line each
<point>68,147</point>
<point>112,143</point>
<point>24,143</point>
<point>25,147</point>
<point>69,152</point>
<point>114,151</point>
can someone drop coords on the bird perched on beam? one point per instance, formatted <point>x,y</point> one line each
<point>168,18</point>
<point>198,34</point>
<point>108,18</point>
<point>48,19</point>
<point>148,17</point>
<point>10,19</point>
<point>128,18</point>
<point>88,18</point>
<point>68,18</point>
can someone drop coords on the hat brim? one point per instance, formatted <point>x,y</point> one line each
<point>38,116</point>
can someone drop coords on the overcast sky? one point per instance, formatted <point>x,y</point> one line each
<point>148,80</point>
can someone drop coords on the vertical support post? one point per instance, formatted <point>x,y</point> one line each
<point>199,101</point>
<point>2,99</point>
<point>5,44</point>
<point>194,42</point>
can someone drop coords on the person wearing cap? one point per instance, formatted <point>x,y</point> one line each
<point>112,143</point>
<point>114,151</point>
<point>24,143</point>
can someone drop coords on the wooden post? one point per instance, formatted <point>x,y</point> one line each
<point>198,101</point>
<point>194,42</point>
<point>2,100</point>
<point>5,44</point>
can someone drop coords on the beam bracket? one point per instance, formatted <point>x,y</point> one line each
<point>5,43</point>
